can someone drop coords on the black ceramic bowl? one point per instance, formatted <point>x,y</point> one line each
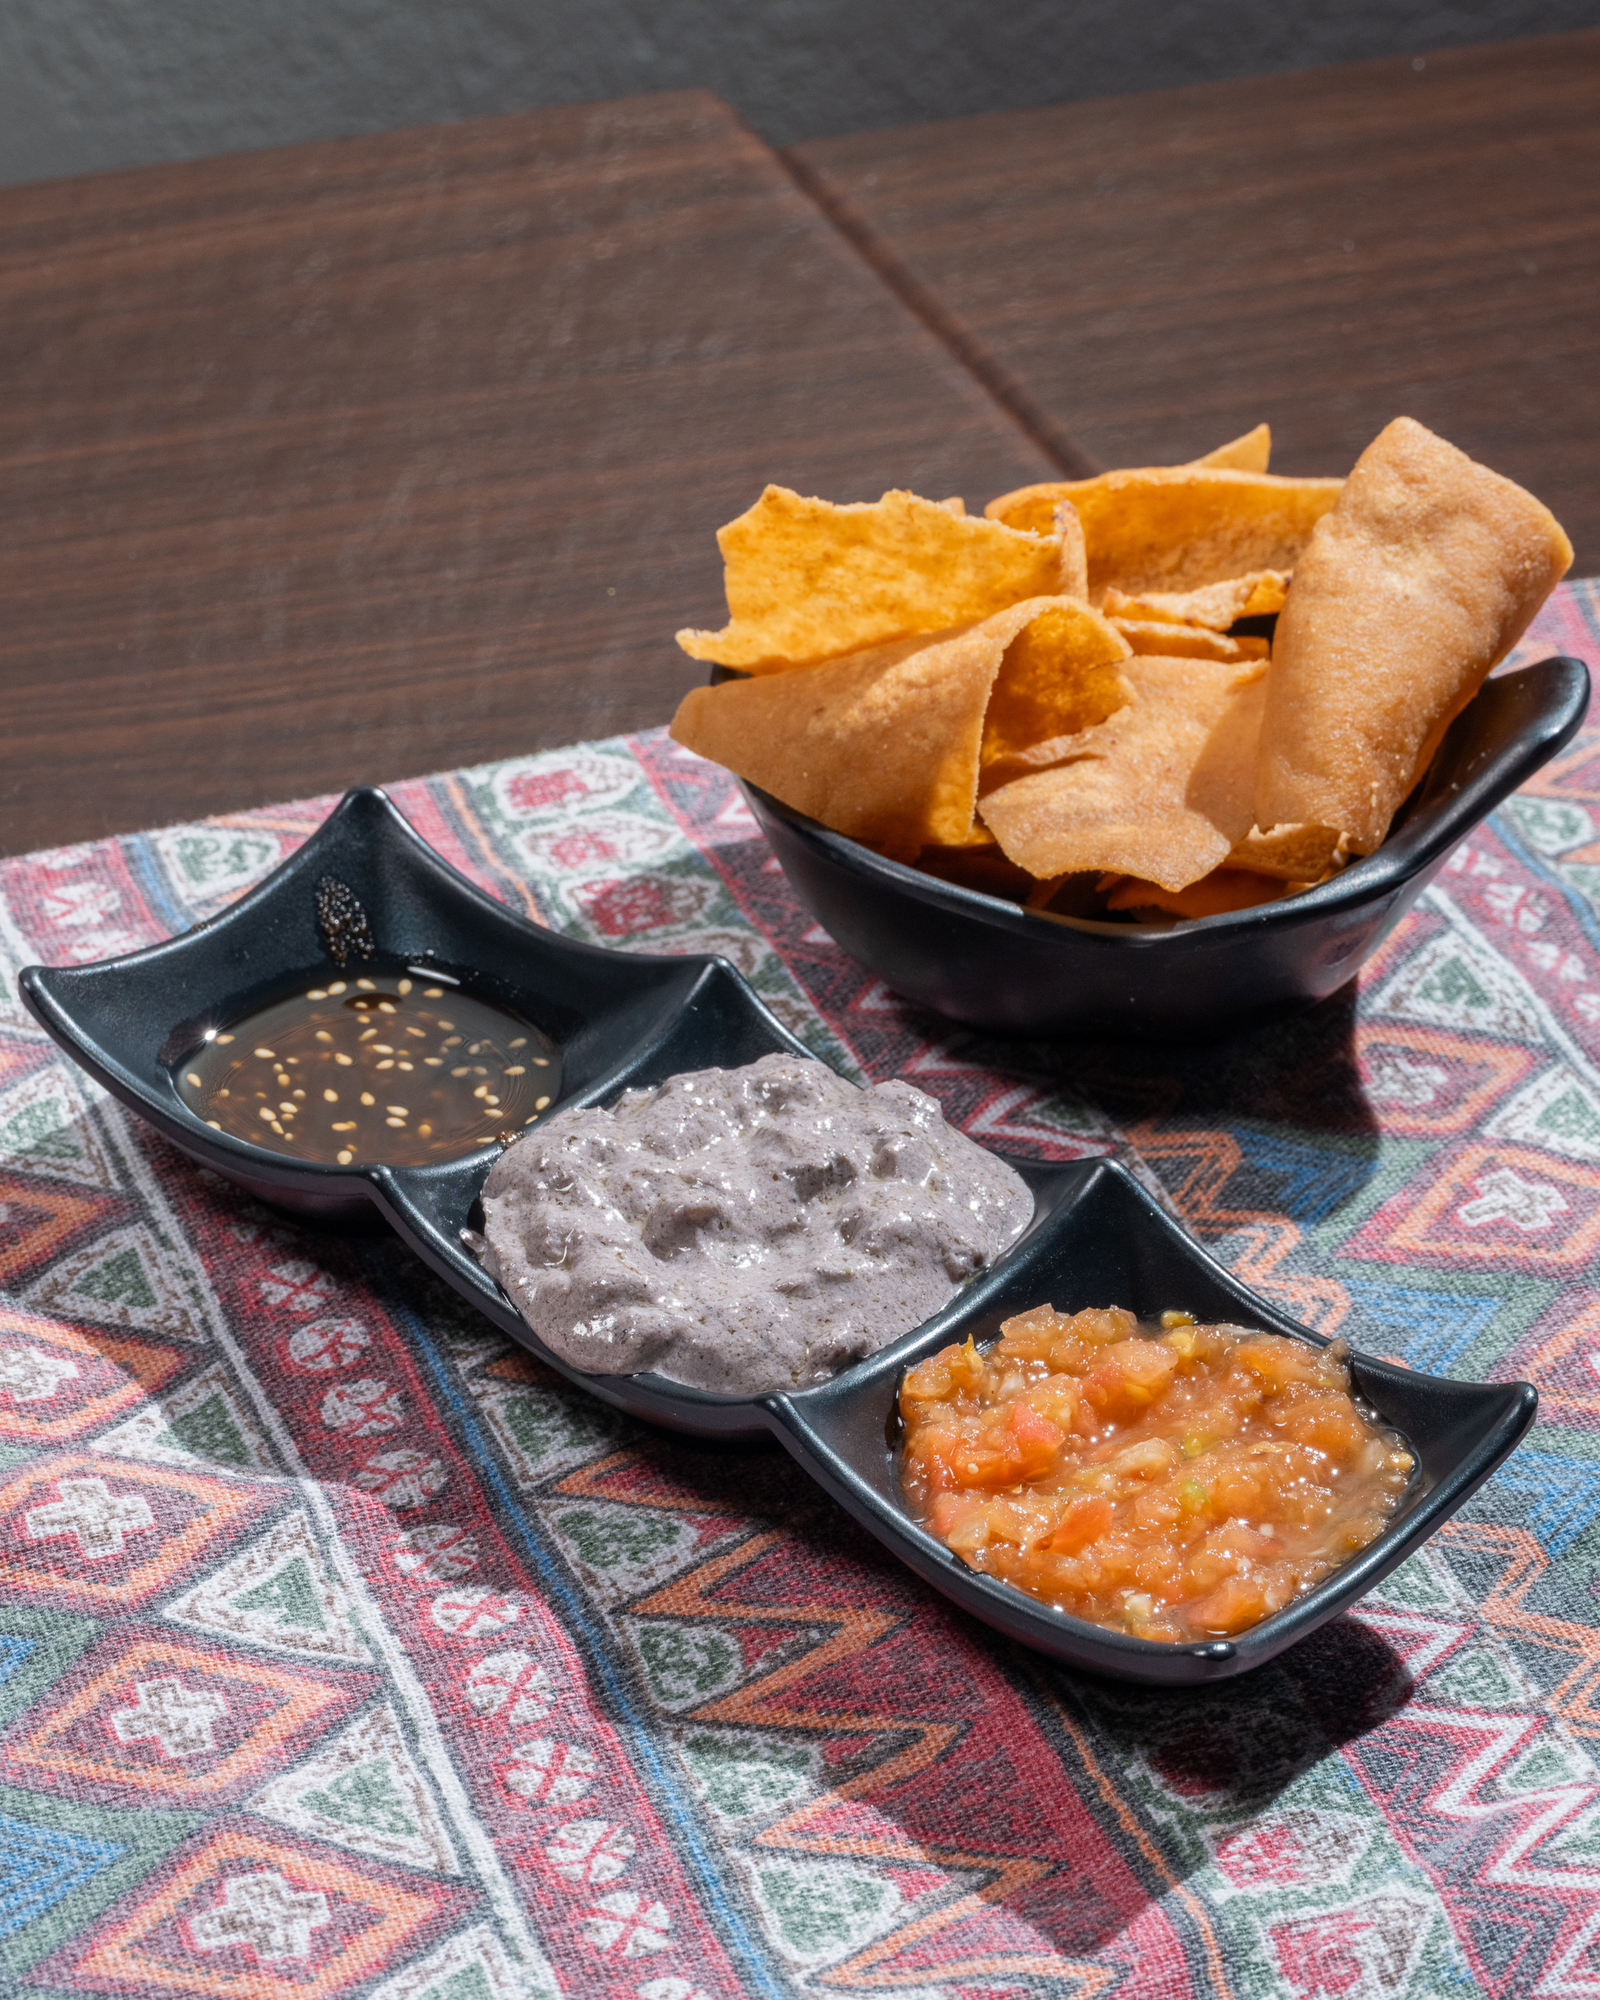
<point>1096,1237</point>
<point>985,961</point>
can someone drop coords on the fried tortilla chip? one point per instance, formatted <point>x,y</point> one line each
<point>1213,895</point>
<point>1424,575</point>
<point>1066,523</point>
<point>1190,642</point>
<point>885,744</point>
<point>1292,853</point>
<point>1179,528</point>
<point>808,581</point>
<point>1160,791</point>
<point>1061,674</point>
<point>1215,606</point>
<point>1250,453</point>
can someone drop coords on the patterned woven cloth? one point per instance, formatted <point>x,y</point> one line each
<point>342,1650</point>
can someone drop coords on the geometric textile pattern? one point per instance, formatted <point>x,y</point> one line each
<point>345,1652</point>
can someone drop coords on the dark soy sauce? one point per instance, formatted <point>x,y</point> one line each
<point>394,1069</point>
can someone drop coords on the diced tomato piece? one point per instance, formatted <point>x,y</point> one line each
<point>1085,1521</point>
<point>1233,1605</point>
<point>1036,1442</point>
<point>1129,1377</point>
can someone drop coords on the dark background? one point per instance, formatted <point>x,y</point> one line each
<point>91,84</point>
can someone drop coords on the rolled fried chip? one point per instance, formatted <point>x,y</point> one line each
<point>1190,642</point>
<point>885,744</point>
<point>1425,574</point>
<point>1250,453</point>
<point>808,581</point>
<point>1216,606</point>
<point>1160,791</point>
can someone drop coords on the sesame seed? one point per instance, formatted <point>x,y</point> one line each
<point>190,1077</point>
<point>266,1055</point>
<point>433,992</point>
<point>482,1090</point>
<point>344,1125</point>
<point>288,1109</point>
<point>434,1062</point>
<point>323,1035</point>
<point>387,1007</point>
<point>517,1069</point>
<point>297,1093</point>
<point>404,986</point>
<point>420,1033</point>
<point>541,1103</point>
<point>426,1131</point>
<point>366,986</point>
<point>541,1062</point>
<point>387,1063</point>
<point>463,1071</point>
<point>521,1042</point>
<point>367,1037</point>
<point>395,1124</point>
<point>443,1023</point>
<point>213,1124</point>
<point>346,1157</point>
<point>330,1097</point>
<point>405,1065</point>
<point>224,1038</point>
<point>367,1097</point>
<point>266,1112</point>
<point>381,1048</point>
<point>397,1111</point>
<point>316,993</point>
<point>224,1092</point>
<point>335,986</point>
<point>344,1061</point>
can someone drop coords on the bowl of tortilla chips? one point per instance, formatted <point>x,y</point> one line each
<point>1166,752</point>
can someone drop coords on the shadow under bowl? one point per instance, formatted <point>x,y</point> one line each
<point>626,1019</point>
<point>992,964</point>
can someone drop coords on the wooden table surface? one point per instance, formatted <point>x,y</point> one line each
<point>359,460</point>
<point>1146,276</point>
<point>353,461</point>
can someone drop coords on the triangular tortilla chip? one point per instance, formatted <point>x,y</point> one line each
<point>808,581</point>
<point>1213,895</point>
<point>1177,528</point>
<point>885,744</point>
<point>1424,575</point>
<point>1160,791</point>
<point>1292,853</point>
<point>1215,606</point>
<point>1250,453</point>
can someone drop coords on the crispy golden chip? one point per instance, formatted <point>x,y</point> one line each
<point>1061,674</point>
<point>1178,528</point>
<point>884,745</point>
<point>1423,576</point>
<point>808,581</point>
<point>1250,453</point>
<point>1074,551</point>
<point>1213,895</point>
<point>1215,606</point>
<point>1292,853</point>
<point>1160,791</point>
<point>1190,642</point>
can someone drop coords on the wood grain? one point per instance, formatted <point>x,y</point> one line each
<point>358,460</point>
<point>1143,277</point>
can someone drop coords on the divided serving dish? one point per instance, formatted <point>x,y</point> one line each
<point>623,1019</point>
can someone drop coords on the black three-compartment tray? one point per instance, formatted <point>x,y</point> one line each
<point>622,1019</point>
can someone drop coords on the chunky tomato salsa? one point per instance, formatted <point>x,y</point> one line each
<point>1178,1482</point>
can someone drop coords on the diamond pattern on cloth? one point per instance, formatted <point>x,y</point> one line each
<point>344,1651</point>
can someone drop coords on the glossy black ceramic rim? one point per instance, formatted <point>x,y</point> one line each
<point>668,1015</point>
<point>1419,842</point>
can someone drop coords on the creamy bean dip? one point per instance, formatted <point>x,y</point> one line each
<point>744,1230</point>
